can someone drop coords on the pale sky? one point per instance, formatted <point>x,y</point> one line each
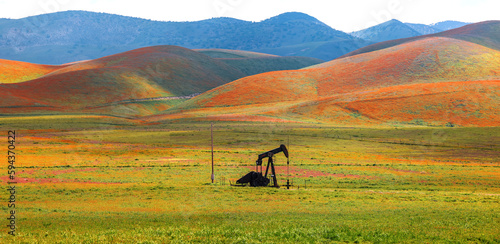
<point>344,15</point>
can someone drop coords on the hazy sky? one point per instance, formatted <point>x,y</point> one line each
<point>345,15</point>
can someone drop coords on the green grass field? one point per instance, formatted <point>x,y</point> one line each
<point>110,180</point>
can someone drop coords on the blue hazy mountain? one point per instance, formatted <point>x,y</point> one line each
<point>448,25</point>
<point>70,36</point>
<point>390,30</point>
<point>395,29</point>
<point>486,33</point>
<point>424,29</point>
<point>437,27</point>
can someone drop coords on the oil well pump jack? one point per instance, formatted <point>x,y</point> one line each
<point>255,178</point>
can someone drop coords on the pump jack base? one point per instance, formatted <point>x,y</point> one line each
<point>254,178</point>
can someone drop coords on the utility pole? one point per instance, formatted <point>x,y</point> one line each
<point>212,137</point>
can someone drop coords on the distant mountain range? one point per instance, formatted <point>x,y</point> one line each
<point>395,29</point>
<point>70,36</point>
<point>448,25</point>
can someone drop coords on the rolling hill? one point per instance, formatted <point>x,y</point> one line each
<point>162,71</point>
<point>464,103</point>
<point>434,80</point>
<point>137,82</point>
<point>70,36</point>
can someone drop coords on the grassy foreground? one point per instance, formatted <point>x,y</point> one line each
<point>108,180</point>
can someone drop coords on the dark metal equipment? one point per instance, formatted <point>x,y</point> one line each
<point>255,178</point>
